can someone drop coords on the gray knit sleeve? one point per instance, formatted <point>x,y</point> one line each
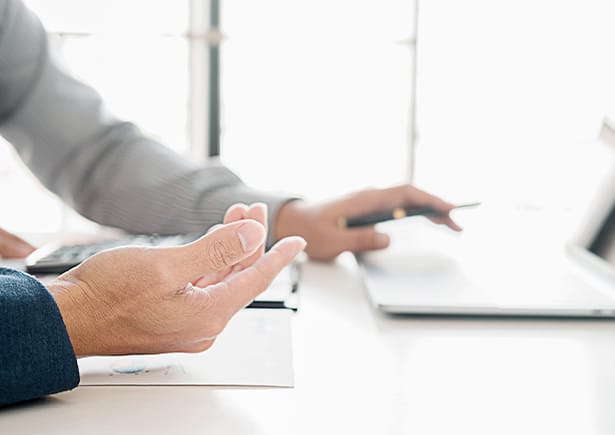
<point>103,167</point>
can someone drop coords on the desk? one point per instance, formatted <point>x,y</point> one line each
<point>361,372</point>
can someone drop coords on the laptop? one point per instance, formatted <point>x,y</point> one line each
<point>506,262</point>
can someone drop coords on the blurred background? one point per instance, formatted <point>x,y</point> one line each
<point>482,100</point>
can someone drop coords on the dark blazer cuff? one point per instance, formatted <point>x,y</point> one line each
<point>36,355</point>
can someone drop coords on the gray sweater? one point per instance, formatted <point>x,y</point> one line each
<point>103,167</point>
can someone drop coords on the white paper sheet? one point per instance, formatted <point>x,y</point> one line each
<point>255,349</point>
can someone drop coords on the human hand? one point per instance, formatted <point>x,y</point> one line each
<point>152,300</point>
<point>318,223</point>
<point>12,246</point>
<point>237,212</point>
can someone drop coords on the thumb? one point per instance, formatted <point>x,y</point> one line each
<point>219,249</point>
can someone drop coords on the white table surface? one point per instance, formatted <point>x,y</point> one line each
<point>358,371</point>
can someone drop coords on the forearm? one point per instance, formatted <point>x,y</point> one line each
<point>147,188</point>
<point>103,167</point>
<point>36,355</point>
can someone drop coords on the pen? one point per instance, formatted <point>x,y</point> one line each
<point>396,213</point>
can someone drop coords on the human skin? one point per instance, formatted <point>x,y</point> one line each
<point>12,246</point>
<point>318,223</point>
<point>135,300</point>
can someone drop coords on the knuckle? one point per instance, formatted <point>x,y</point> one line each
<point>265,277</point>
<point>359,195</point>
<point>220,254</point>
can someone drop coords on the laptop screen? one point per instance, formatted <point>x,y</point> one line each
<point>603,245</point>
<point>594,243</point>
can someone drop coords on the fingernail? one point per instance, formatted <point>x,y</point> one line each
<point>251,235</point>
<point>299,239</point>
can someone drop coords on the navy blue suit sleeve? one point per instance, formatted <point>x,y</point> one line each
<point>36,355</point>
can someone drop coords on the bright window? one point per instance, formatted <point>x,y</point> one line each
<point>136,54</point>
<point>316,95</point>
<point>510,95</point>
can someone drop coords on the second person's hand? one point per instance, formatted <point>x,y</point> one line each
<point>318,224</point>
<point>12,246</point>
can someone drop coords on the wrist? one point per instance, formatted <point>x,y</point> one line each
<point>73,306</point>
<point>286,220</point>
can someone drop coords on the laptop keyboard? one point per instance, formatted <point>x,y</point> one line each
<point>54,259</point>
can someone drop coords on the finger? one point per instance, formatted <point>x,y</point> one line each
<point>214,228</point>
<point>241,289</point>
<point>446,220</point>
<point>419,197</point>
<point>258,212</point>
<point>12,246</point>
<point>398,196</point>
<point>405,195</point>
<point>368,201</point>
<point>428,200</point>
<point>364,239</point>
<point>365,201</point>
<point>215,251</point>
<point>235,212</point>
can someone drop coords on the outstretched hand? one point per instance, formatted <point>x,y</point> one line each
<point>179,299</point>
